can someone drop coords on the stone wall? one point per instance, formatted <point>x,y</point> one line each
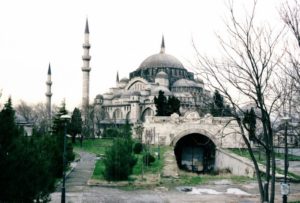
<point>224,132</point>
<point>236,164</point>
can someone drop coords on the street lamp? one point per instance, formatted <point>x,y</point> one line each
<point>285,186</point>
<point>65,118</point>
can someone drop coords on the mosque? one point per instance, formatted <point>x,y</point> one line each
<point>132,98</point>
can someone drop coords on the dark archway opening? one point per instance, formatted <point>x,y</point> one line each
<point>196,153</point>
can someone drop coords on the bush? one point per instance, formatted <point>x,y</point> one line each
<point>148,159</point>
<point>111,133</point>
<point>137,148</point>
<point>119,160</point>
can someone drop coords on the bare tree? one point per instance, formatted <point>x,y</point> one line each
<point>247,74</point>
<point>290,14</point>
<point>36,114</point>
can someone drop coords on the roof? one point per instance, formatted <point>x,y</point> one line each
<point>161,60</point>
<point>185,83</point>
<point>124,80</point>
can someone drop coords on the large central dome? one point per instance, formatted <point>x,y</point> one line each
<point>161,60</point>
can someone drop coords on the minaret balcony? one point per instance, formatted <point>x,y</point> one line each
<point>86,57</point>
<point>86,45</point>
<point>86,69</point>
<point>49,83</point>
<point>48,94</point>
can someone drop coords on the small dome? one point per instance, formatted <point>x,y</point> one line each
<point>124,80</point>
<point>185,83</point>
<point>199,81</point>
<point>108,95</point>
<point>161,60</point>
<point>162,74</point>
<point>155,90</point>
<point>99,96</point>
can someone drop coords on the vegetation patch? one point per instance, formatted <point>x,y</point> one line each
<point>95,146</point>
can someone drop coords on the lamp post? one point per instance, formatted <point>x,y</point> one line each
<point>65,118</point>
<point>285,186</point>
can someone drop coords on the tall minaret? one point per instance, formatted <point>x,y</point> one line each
<point>86,71</point>
<point>48,94</point>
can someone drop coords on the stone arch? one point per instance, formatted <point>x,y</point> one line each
<point>128,115</point>
<point>147,112</point>
<point>195,151</point>
<point>186,132</point>
<point>134,81</point>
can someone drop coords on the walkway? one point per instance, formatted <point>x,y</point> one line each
<point>170,169</point>
<point>77,179</point>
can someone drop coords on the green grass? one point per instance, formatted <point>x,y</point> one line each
<point>190,179</point>
<point>261,157</point>
<point>96,146</point>
<point>156,166</point>
<point>98,171</point>
<point>99,146</point>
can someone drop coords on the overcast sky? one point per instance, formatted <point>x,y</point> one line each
<point>122,34</point>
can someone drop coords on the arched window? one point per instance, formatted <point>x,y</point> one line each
<point>117,114</point>
<point>147,112</point>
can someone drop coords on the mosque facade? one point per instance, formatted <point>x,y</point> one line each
<point>132,98</point>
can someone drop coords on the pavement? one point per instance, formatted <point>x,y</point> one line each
<point>76,181</point>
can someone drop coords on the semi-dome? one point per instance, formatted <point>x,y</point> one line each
<point>185,83</point>
<point>161,60</point>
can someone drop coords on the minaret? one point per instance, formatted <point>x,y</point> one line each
<point>162,47</point>
<point>48,94</point>
<point>86,71</point>
<point>117,79</point>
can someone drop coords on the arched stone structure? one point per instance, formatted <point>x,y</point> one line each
<point>195,152</point>
<point>199,131</point>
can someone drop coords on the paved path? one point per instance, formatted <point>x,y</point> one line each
<point>170,169</point>
<point>77,179</point>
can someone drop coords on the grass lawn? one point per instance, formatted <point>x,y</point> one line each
<point>96,146</point>
<point>154,168</point>
<point>152,172</point>
<point>260,156</point>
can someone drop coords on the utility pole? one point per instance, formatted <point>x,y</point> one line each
<point>285,186</point>
<point>65,118</point>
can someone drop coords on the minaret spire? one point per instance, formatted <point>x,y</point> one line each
<point>48,95</point>
<point>162,47</point>
<point>87,31</point>
<point>86,71</point>
<point>117,79</point>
